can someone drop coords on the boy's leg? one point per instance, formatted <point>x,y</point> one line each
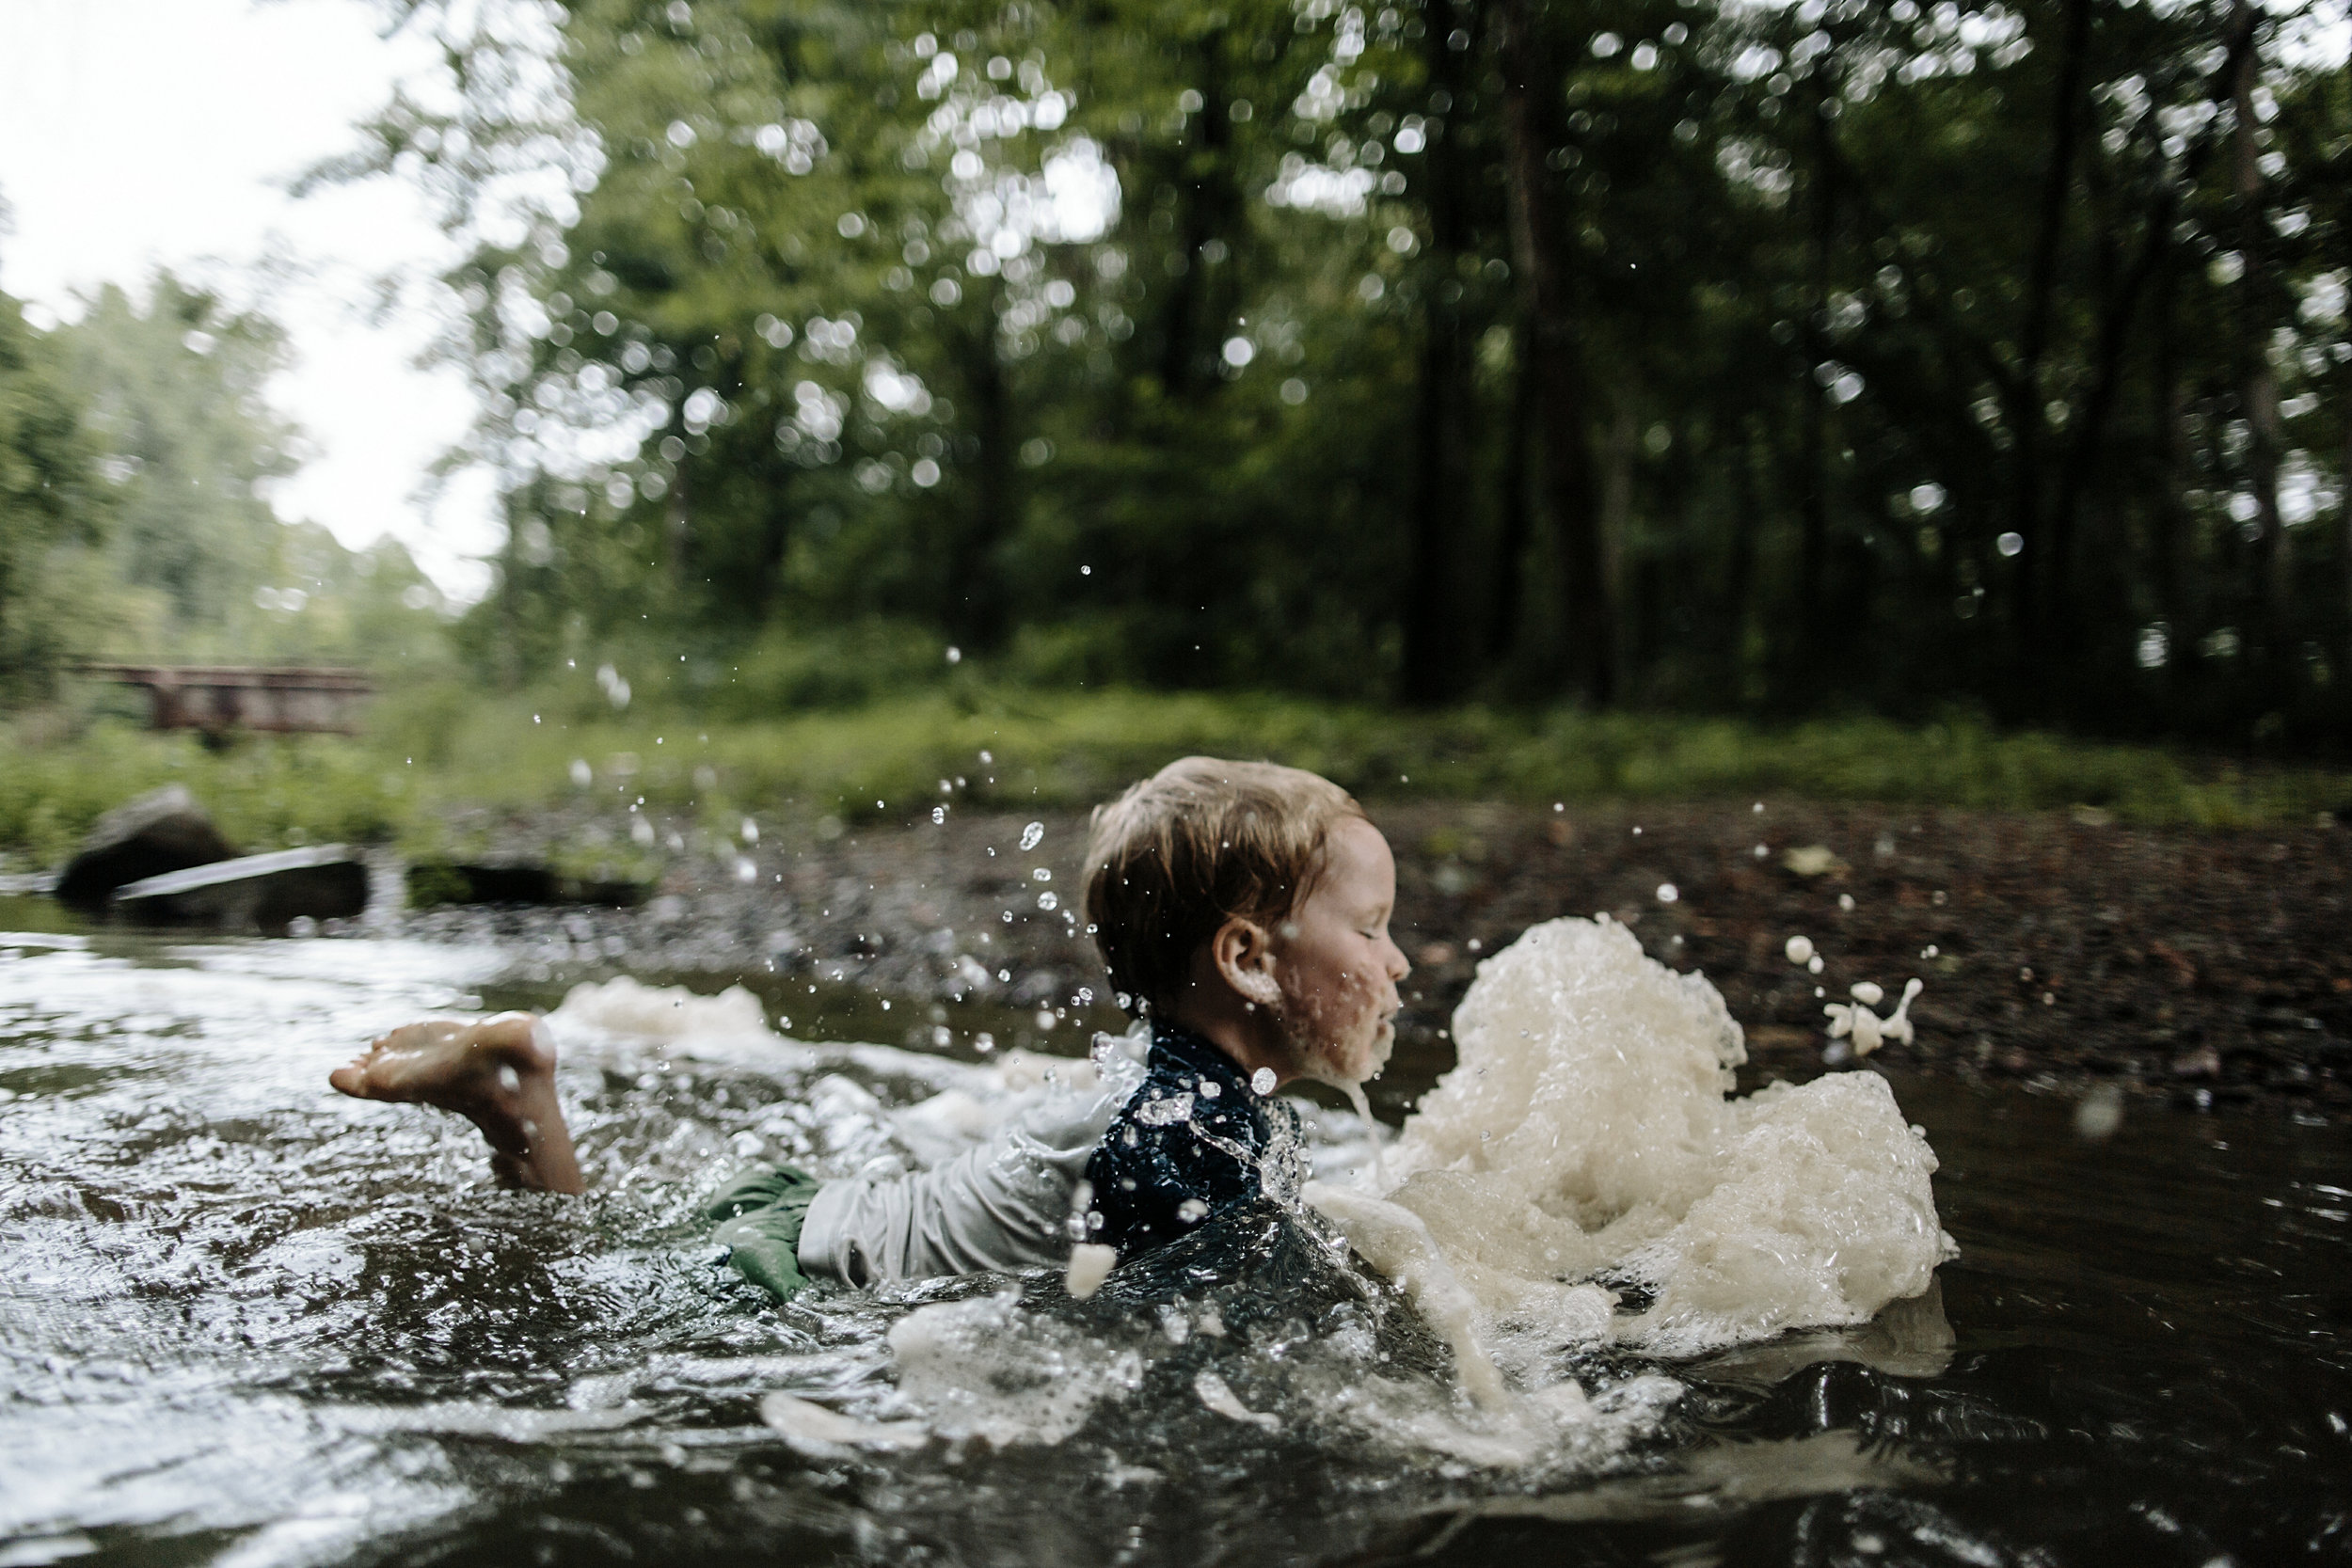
<point>499,1074</point>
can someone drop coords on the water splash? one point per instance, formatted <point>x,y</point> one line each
<point>1586,1135</point>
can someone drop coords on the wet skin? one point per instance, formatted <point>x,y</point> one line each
<point>498,1073</point>
<point>1316,997</point>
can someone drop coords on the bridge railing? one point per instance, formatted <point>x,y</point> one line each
<point>217,699</point>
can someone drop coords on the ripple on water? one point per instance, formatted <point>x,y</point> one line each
<point>246,1316</point>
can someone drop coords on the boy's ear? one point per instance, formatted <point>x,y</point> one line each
<point>1245,958</point>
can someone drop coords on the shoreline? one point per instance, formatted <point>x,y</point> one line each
<point>2186,964</point>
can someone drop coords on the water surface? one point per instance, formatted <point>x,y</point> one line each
<point>244,1320</point>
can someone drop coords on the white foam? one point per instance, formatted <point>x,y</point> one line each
<point>828,1435</point>
<point>1396,1241</point>
<point>1218,1396</point>
<point>624,1006</point>
<point>1587,1130</point>
<point>1090,1263</point>
<point>982,1369</point>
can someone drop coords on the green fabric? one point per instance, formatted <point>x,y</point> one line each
<point>760,1213</point>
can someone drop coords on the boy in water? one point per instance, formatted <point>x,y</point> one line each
<point>1242,910</point>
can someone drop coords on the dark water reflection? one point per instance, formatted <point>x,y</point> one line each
<point>244,1321</point>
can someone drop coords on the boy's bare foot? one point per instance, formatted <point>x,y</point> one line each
<point>499,1074</point>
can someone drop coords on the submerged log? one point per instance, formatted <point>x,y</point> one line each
<point>254,891</point>
<point>435,882</point>
<point>162,831</point>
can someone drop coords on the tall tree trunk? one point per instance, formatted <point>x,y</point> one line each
<point>1503,621</point>
<point>1815,629</point>
<point>509,656</point>
<point>2258,383</point>
<point>1433,653</point>
<point>2121,312</point>
<point>2045,571</point>
<point>2167,544</point>
<point>678,522</point>
<point>980,609</point>
<point>1740,581</point>
<point>1636,624</point>
<point>2343,546</point>
<point>1207,205</point>
<point>775,530</point>
<point>1530,88</point>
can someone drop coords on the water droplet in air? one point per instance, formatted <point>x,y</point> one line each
<point>1813,964</point>
<point>1192,1211</point>
<point>581,775</point>
<point>1263,1080</point>
<point>751,831</point>
<point>2100,1113</point>
<point>1210,1088</point>
<point>1799,949</point>
<point>1845,901</point>
<point>1032,834</point>
<point>1668,892</point>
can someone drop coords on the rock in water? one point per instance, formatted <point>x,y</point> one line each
<point>162,830</point>
<point>254,891</point>
<point>435,882</point>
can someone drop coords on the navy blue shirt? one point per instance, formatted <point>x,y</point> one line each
<point>1193,1139</point>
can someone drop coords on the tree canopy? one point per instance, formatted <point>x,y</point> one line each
<point>137,452</point>
<point>1692,353</point>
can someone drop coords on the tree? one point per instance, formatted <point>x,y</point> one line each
<point>50,507</point>
<point>1781,358</point>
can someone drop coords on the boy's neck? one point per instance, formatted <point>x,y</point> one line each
<point>1249,1037</point>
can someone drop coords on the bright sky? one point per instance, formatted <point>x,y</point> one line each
<point>140,133</point>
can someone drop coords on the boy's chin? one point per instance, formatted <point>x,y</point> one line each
<point>1353,1063</point>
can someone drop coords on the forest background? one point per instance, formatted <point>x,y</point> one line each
<point>1637,379</point>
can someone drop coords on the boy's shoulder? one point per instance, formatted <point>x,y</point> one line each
<point>1190,1139</point>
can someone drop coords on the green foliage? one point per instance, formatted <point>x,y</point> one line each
<point>438,755</point>
<point>1989,353</point>
<point>264,792</point>
<point>136,456</point>
<point>172,392</point>
<point>50,513</point>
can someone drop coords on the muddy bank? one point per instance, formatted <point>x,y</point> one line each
<point>2205,967</point>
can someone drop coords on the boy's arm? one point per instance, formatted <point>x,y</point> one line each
<point>1000,1207</point>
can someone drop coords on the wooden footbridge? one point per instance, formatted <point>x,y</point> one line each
<point>219,699</point>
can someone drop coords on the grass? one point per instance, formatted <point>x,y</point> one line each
<point>432,751</point>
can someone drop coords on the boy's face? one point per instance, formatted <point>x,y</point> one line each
<point>1337,966</point>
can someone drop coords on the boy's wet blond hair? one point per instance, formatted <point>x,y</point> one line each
<point>1195,843</point>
